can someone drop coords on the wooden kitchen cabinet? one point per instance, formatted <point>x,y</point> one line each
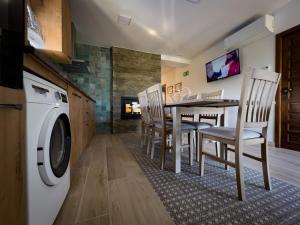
<point>92,120</point>
<point>76,116</point>
<point>12,160</point>
<point>82,118</point>
<point>89,120</point>
<point>55,19</point>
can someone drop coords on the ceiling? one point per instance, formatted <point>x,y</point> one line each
<point>172,27</point>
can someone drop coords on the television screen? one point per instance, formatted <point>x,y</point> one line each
<point>225,66</point>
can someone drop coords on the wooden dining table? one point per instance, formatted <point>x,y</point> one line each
<point>198,106</point>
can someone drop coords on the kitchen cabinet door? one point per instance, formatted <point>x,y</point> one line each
<point>12,160</point>
<point>75,111</point>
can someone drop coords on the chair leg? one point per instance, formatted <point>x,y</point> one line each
<point>265,165</point>
<point>239,173</point>
<point>201,156</point>
<point>142,134</point>
<point>217,147</point>
<point>196,143</point>
<point>191,147</point>
<point>149,140</point>
<point>152,143</point>
<point>198,146</point>
<point>146,134</point>
<point>226,155</point>
<point>223,153</point>
<point>163,151</point>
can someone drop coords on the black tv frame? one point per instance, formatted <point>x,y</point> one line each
<point>238,50</point>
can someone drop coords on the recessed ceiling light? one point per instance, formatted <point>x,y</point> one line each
<point>152,32</point>
<point>193,1</point>
<point>124,20</point>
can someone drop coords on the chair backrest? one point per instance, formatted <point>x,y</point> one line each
<point>257,97</point>
<point>214,119</point>
<point>155,101</point>
<point>143,100</point>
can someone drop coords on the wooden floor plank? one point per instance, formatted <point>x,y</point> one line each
<point>134,202</point>
<point>101,220</point>
<point>70,208</point>
<point>95,196</point>
<point>120,161</point>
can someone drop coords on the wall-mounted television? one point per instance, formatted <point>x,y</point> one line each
<point>224,66</point>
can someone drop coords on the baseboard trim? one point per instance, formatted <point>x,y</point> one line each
<point>271,144</point>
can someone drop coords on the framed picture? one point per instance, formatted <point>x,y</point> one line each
<point>170,89</point>
<point>178,87</point>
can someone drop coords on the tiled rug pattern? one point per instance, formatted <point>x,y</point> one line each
<point>212,199</point>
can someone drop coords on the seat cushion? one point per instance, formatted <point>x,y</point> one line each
<point>198,125</point>
<point>169,126</point>
<point>229,133</point>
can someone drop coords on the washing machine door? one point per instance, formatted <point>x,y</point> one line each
<point>54,147</point>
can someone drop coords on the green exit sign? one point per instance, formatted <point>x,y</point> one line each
<point>186,73</point>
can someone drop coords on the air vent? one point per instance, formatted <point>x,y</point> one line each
<point>193,1</point>
<point>124,20</point>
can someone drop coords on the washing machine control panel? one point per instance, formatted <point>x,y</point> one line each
<point>61,97</point>
<point>43,92</point>
<point>64,98</point>
<point>57,96</point>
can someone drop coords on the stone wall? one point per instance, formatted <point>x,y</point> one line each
<point>133,72</point>
<point>97,82</point>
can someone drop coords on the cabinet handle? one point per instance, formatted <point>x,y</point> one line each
<point>40,89</point>
<point>11,106</point>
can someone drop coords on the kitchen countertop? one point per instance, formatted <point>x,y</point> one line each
<point>46,62</point>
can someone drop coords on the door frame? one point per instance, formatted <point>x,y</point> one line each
<point>278,68</point>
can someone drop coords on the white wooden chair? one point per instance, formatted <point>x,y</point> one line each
<point>146,124</point>
<point>210,120</point>
<point>257,97</point>
<point>214,118</point>
<point>160,126</point>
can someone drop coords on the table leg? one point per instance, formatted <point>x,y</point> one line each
<point>176,139</point>
<point>224,118</point>
<point>223,123</point>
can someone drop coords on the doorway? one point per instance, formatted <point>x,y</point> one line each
<point>287,129</point>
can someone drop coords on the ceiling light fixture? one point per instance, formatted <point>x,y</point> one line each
<point>152,32</point>
<point>124,20</point>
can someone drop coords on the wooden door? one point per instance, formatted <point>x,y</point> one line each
<point>290,90</point>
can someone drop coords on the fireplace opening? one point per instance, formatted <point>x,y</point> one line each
<point>130,108</point>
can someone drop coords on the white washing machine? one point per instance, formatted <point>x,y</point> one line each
<point>48,148</point>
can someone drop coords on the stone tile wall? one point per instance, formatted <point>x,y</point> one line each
<point>96,83</point>
<point>133,72</point>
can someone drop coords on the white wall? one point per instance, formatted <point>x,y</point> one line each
<point>287,17</point>
<point>258,54</point>
<point>168,77</point>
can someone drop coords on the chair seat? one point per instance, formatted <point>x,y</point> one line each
<point>229,133</point>
<point>169,126</point>
<point>198,125</point>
